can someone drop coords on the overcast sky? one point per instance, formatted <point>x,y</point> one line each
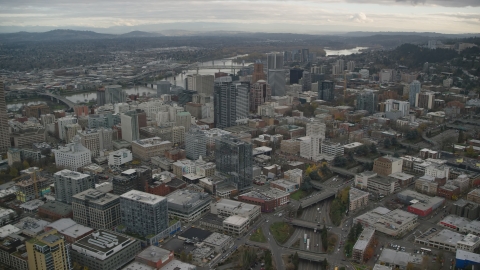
<point>302,16</point>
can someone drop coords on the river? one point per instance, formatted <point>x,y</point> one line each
<point>179,79</point>
<point>345,52</point>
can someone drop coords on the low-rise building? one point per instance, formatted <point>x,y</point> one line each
<point>105,250</point>
<point>227,207</point>
<point>30,226</point>
<point>187,205</point>
<point>154,257</point>
<point>394,223</point>
<point>363,241</point>
<point>398,259</point>
<point>420,204</point>
<point>147,148</point>
<point>219,242</point>
<point>358,199</point>
<point>69,229</point>
<point>474,196</point>
<point>11,250</point>
<point>55,210</point>
<point>235,224</point>
<point>96,209</point>
<point>387,165</point>
<point>119,157</point>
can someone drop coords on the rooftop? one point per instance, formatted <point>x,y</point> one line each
<point>235,220</point>
<point>357,193</point>
<point>135,195</point>
<point>69,227</point>
<point>151,142</point>
<point>102,243</point>
<point>217,239</point>
<point>96,196</point>
<point>154,254</point>
<point>31,226</point>
<point>7,230</point>
<point>57,207</point>
<point>71,174</point>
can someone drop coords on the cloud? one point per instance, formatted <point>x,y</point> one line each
<point>360,18</point>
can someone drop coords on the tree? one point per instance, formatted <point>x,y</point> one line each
<point>369,252</point>
<point>470,152</point>
<point>296,260</point>
<point>339,161</point>
<point>461,137</point>
<point>387,143</point>
<point>373,148</point>
<point>396,155</point>
<point>13,172</point>
<point>183,256</point>
<point>190,257</point>
<point>314,176</point>
<point>25,165</point>
<point>394,141</point>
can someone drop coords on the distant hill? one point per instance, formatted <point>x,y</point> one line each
<point>134,34</point>
<point>59,34</point>
<point>423,34</point>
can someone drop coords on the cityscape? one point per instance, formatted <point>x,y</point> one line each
<point>162,146</point>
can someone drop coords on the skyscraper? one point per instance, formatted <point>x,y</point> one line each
<point>115,94</point>
<point>233,158</point>
<point>225,105</point>
<point>260,92</point>
<point>295,75</point>
<point>163,87</point>
<point>242,99</point>
<point>258,73</point>
<point>195,143</point>
<point>367,101</point>
<point>276,80</point>
<point>326,90</point>
<point>305,55</point>
<point>351,65</point>
<point>130,128</point>
<point>415,88</point>
<point>274,60</point>
<point>306,81</point>
<point>101,97</point>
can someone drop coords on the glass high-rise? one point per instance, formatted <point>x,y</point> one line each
<point>233,157</point>
<point>4,133</point>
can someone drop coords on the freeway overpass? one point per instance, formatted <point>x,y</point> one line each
<point>325,194</point>
<point>310,256</point>
<point>342,171</point>
<point>305,224</point>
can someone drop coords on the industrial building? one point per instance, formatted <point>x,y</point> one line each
<point>394,223</point>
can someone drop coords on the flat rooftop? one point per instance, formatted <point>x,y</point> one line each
<point>154,253</point>
<point>217,239</point>
<point>71,174</point>
<point>356,193</point>
<point>235,220</point>
<point>101,242</point>
<point>69,227</point>
<point>139,196</point>
<point>96,196</point>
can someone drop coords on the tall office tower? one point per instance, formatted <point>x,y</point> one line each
<point>305,55</point>
<point>178,135</point>
<point>73,155</point>
<point>351,65</point>
<point>163,88</point>
<point>295,75</point>
<point>184,119</point>
<point>96,209</point>
<point>326,90</point>
<point>260,92</point>
<point>258,73</point>
<point>69,183</point>
<point>415,88</point>
<point>316,132</point>
<point>367,100</point>
<point>115,94</point>
<point>144,213</point>
<point>276,80</point>
<point>195,143</point>
<point>306,81</point>
<point>336,70</point>
<point>287,56</point>
<point>101,99</point>
<point>225,104</point>
<point>48,251</point>
<point>274,60</point>
<point>394,106</point>
<point>62,125</point>
<point>425,100</point>
<point>130,127</point>
<point>97,140</point>
<point>341,64</point>
<point>233,157</point>
<point>71,131</point>
<point>203,84</point>
<point>144,175</point>
<point>243,97</point>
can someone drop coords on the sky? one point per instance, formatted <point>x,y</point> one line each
<point>300,16</point>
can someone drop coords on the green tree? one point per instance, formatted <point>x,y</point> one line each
<point>373,148</point>
<point>190,257</point>
<point>25,165</point>
<point>461,137</point>
<point>296,260</point>
<point>13,172</point>
<point>183,256</point>
<point>387,143</point>
<point>396,155</point>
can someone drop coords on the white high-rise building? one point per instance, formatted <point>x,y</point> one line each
<point>97,140</point>
<point>73,155</point>
<point>276,80</point>
<point>243,97</point>
<point>119,157</point>
<point>351,65</point>
<point>385,75</point>
<point>341,64</point>
<point>130,129</point>
<point>392,105</point>
<point>365,73</point>
<point>62,126</point>
<point>415,88</point>
<point>309,147</point>
<point>203,84</point>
